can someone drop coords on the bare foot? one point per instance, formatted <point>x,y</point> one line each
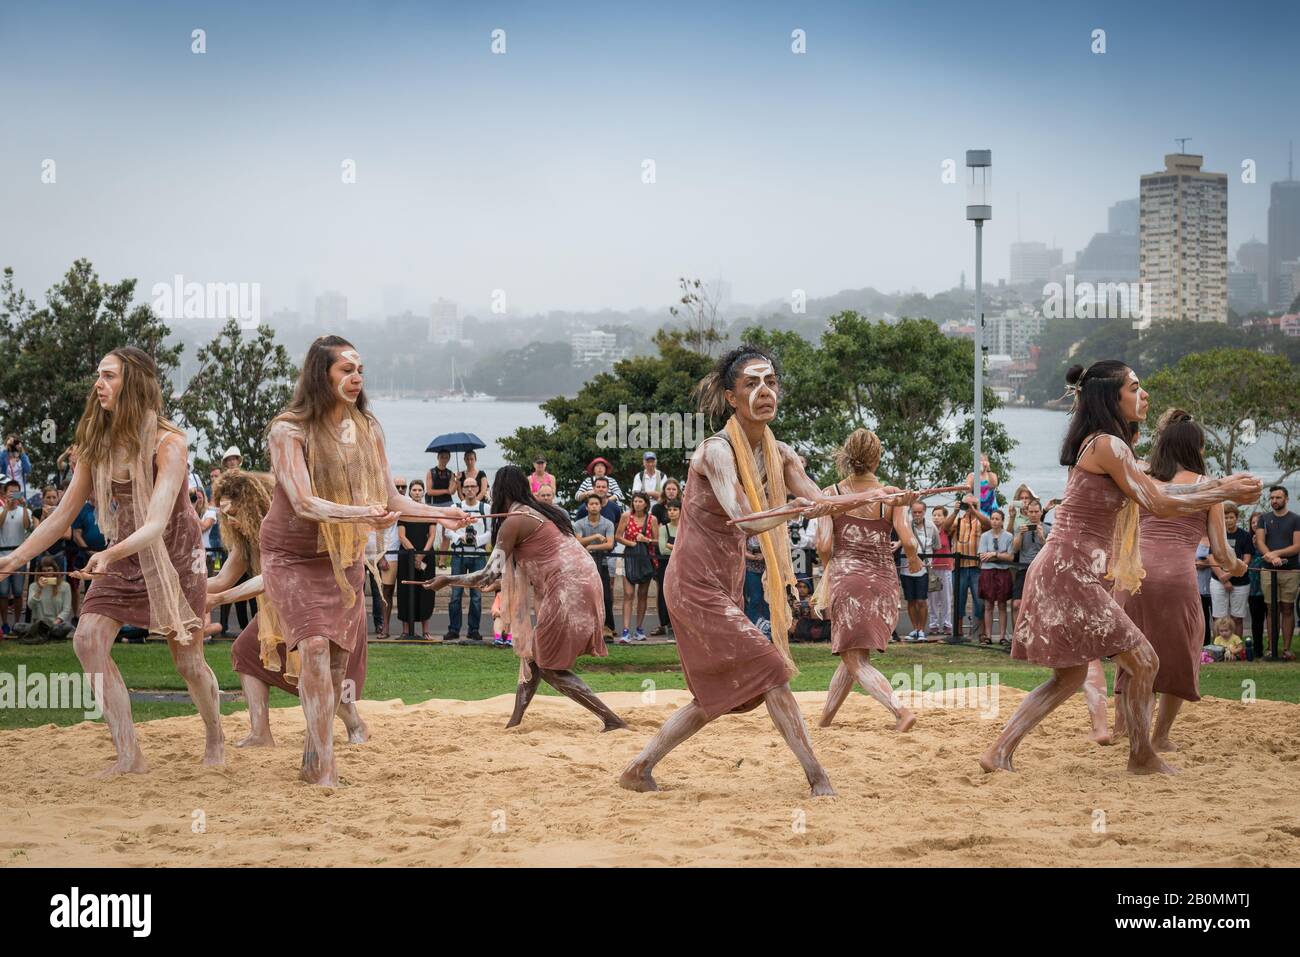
<point>619,725</point>
<point>358,733</point>
<point>1151,765</point>
<point>314,772</point>
<point>822,788</point>
<point>257,741</point>
<point>123,766</point>
<point>905,721</point>
<point>991,760</point>
<point>214,753</point>
<point>826,721</point>
<point>1100,737</point>
<point>514,722</point>
<point>635,780</point>
<point>1163,744</point>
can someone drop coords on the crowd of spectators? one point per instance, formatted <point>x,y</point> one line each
<point>975,553</point>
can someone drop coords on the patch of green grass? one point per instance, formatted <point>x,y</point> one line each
<point>416,673</point>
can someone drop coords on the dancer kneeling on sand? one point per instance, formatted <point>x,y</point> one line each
<point>1168,606</point>
<point>1068,616</point>
<point>332,485</point>
<point>861,579</point>
<point>152,574</point>
<point>258,655</point>
<point>735,476</point>
<point>536,551</point>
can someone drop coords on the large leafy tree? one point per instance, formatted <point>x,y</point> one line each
<point>641,386</point>
<point>243,382</point>
<point>1234,394</point>
<point>51,354</point>
<point>907,382</point>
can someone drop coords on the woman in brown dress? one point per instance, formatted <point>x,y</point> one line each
<point>729,665</point>
<point>1068,616</point>
<point>1168,606</point>
<point>535,552</point>
<point>153,573</point>
<point>258,655</point>
<point>332,485</point>
<point>862,579</point>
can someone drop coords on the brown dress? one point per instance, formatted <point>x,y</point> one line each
<point>728,663</point>
<point>246,657</point>
<point>1168,605</point>
<point>1067,614</point>
<point>299,580</point>
<point>569,600</point>
<point>862,584</point>
<point>122,594</point>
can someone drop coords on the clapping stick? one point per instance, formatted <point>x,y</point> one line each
<point>851,501</point>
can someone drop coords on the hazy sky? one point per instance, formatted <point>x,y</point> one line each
<point>523,171</point>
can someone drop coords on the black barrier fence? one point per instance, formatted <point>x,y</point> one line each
<point>805,559</point>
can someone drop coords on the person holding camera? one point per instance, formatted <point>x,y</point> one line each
<point>1028,541</point>
<point>16,523</point>
<point>965,526</point>
<point>469,547</point>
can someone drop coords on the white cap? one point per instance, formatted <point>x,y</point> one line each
<point>233,450</point>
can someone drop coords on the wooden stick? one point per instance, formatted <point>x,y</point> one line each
<point>862,498</point>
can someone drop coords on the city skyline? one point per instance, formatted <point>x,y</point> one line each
<point>521,173</point>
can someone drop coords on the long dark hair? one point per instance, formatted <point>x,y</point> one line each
<point>711,391</point>
<point>510,487</point>
<point>1096,407</point>
<point>1179,444</point>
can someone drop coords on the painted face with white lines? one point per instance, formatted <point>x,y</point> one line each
<point>756,391</point>
<point>347,375</point>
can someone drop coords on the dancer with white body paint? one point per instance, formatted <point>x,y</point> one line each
<point>332,485</point>
<point>861,579</point>
<point>730,666</point>
<point>152,574</point>
<point>1069,617</point>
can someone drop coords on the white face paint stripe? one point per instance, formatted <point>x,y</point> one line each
<point>759,370</point>
<point>352,356</point>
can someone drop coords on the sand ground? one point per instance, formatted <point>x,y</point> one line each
<point>442,783</point>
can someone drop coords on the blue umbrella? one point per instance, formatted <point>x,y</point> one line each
<point>456,442</point>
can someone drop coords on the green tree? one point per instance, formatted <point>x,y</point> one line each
<point>52,354</point>
<point>907,382</point>
<point>242,384</point>
<point>642,385</point>
<point>1232,393</point>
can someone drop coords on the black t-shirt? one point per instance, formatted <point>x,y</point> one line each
<point>1244,549</point>
<point>1279,533</point>
<point>438,478</point>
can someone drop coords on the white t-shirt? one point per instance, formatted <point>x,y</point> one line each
<point>649,483</point>
<point>482,527</point>
<point>207,532</point>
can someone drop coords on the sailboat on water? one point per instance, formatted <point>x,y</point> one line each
<point>455,394</point>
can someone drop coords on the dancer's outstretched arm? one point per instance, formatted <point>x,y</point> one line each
<point>488,578</point>
<point>236,564</point>
<point>715,462</point>
<point>241,592</point>
<point>289,464</point>
<point>55,525</point>
<point>1115,458</point>
<point>171,474</point>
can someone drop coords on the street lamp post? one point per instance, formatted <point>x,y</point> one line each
<point>979,194</point>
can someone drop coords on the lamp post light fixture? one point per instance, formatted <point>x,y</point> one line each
<point>979,198</point>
